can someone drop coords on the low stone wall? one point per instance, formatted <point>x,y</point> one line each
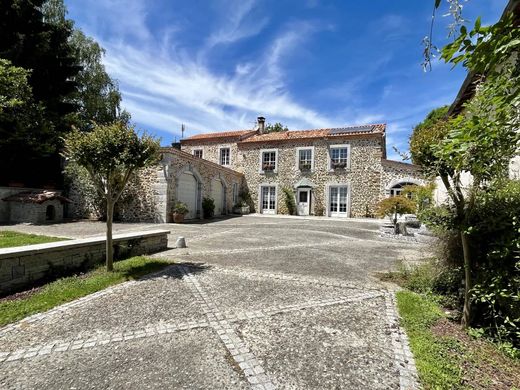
<point>22,267</point>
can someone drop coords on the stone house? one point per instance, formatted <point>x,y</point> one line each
<point>337,172</point>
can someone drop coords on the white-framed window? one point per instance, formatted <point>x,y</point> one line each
<point>225,156</point>
<point>198,153</point>
<point>305,159</point>
<point>339,157</point>
<point>235,193</point>
<point>268,160</point>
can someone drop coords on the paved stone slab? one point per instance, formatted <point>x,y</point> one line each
<point>194,360</point>
<point>256,302</point>
<point>163,299</point>
<point>347,346</point>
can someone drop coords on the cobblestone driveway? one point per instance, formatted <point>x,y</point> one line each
<point>253,302</point>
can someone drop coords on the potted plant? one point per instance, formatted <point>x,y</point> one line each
<point>268,167</point>
<point>179,211</point>
<point>305,167</point>
<point>208,208</point>
<point>339,165</point>
<point>241,207</point>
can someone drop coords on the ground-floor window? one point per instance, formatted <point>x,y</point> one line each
<point>338,201</point>
<point>268,199</point>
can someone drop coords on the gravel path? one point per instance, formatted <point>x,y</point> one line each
<point>253,302</point>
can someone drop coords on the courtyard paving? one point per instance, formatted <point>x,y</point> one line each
<point>252,302</point>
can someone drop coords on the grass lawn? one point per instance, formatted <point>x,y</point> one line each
<point>67,289</point>
<point>9,239</point>
<point>445,356</point>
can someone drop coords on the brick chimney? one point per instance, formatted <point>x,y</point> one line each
<point>261,124</point>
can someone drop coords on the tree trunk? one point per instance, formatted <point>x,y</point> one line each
<point>466,313</point>
<point>109,246</point>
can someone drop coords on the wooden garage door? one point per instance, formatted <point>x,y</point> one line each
<point>187,193</point>
<point>217,193</point>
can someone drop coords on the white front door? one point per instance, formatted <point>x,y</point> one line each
<point>187,193</point>
<point>338,201</point>
<point>268,198</point>
<point>217,193</point>
<point>304,201</point>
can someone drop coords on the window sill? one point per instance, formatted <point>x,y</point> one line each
<point>340,170</point>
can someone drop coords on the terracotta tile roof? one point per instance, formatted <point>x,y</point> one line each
<point>338,132</point>
<point>222,134</point>
<point>38,197</point>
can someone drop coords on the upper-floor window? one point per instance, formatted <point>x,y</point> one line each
<point>198,153</point>
<point>305,159</point>
<point>268,160</point>
<point>225,154</point>
<point>339,157</point>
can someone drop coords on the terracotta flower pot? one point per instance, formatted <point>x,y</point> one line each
<point>178,218</point>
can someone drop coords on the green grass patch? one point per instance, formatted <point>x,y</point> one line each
<point>9,239</point>
<point>434,356</point>
<point>73,287</point>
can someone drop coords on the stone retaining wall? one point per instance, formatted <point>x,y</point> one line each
<point>23,267</point>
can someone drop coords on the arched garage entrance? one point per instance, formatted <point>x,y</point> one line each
<point>188,192</point>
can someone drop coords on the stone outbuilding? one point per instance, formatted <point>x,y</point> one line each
<point>38,206</point>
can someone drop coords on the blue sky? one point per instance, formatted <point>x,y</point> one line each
<point>216,65</point>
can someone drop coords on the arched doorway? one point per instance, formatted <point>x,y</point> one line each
<point>187,192</point>
<point>395,187</point>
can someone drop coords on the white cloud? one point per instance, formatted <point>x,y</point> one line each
<point>164,84</point>
<point>236,25</point>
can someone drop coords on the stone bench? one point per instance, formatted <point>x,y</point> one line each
<point>26,266</point>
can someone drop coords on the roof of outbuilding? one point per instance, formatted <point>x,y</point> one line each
<point>222,134</point>
<point>337,132</point>
<point>37,197</point>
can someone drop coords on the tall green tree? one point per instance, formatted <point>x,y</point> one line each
<point>97,97</point>
<point>110,154</point>
<point>27,41</point>
<point>483,139</point>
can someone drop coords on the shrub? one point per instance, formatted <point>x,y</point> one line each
<point>290,203</point>
<point>391,207</point>
<point>495,245</point>
<point>180,208</point>
<point>422,195</point>
<point>495,239</point>
<point>208,207</point>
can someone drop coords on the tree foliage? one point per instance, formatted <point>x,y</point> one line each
<point>482,140</point>
<point>30,43</point>
<point>97,98</point>
<point>426,135</point>
<point>110,154</point>
<point>393,206</point>
<point>276,128</point>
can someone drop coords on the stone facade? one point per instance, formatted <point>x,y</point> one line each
<point>362,177</point>
<point>152,192</point>
<point>174,163</point>
<point>211,152</point>
<point>397,173</point>
<point>138,202</point>
<point>367,177</point>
